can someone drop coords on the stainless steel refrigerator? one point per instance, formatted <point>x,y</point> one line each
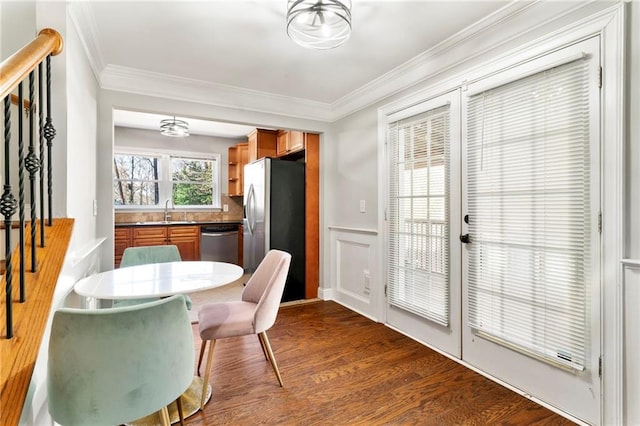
<point>274,217</point>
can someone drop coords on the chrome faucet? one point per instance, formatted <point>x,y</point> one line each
<point>167,216</point>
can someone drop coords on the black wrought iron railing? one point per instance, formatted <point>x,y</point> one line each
<point>16,71</point>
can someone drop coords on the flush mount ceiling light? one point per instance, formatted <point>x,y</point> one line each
<point>319,24</point>
<point>174,128</point>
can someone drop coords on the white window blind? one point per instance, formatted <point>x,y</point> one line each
<point>418,227</point>
<point>529,213</point>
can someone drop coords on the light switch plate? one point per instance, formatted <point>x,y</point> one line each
<point>363,206</point>
<point>225,207</point>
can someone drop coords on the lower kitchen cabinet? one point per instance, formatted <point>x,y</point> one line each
<point>149,236</point>
<point>186,238</point>
<point>122,240</point>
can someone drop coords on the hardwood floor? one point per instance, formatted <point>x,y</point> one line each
<point>340,368</point>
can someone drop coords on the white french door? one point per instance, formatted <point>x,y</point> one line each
<point>423,224</point>
<point>531,188</point>
<point>493,239</point>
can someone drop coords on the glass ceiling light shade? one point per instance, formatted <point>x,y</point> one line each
<point>319,24</point>
<point>174,128</point>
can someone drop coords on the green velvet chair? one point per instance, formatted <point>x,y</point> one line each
<point>254,314</point>
<point>133,256</point>
<point>112,366</point>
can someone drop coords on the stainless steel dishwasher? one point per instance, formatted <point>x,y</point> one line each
<point>219,242</point>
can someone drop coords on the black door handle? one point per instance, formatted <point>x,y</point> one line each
<point>464,238</point>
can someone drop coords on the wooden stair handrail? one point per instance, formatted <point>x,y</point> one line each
<point>17,67</point>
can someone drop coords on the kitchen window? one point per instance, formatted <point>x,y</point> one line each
<point>148,180</point>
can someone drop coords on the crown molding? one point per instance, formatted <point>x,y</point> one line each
<point>85,25</point>
<point>498,29</point>
<point>149,83</point>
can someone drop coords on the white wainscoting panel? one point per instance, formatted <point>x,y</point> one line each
<point>355,271</point>
<point>631,339</point>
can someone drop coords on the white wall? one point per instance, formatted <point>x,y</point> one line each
<point>81,140</point>
<point>351,164</point>
<point>17,26</point>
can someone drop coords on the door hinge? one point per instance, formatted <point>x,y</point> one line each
<point>600,78</point>
<point>600,222</point>
<point>600,366</point>
<point>385,290</point>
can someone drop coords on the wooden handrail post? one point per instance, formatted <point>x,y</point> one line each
<point>18,66</point>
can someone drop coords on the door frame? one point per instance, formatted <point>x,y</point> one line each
<point>610,25</point>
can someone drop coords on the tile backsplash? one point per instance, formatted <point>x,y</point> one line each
<point>234,213</point>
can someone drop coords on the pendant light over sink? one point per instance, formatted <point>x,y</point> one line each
<point>174,128</point>
<point>319,24</point>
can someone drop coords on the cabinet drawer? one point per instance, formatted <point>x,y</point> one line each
<point>142,232</point>
<point>122,233</point>
<point>183,231</point>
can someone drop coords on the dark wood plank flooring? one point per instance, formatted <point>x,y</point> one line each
<point>340,368</point>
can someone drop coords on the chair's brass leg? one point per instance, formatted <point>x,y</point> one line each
<point>272,358</point>
<point>264,351</point>
<point>164,417</point>
<point>205,380</point>
<point>180,411</point>
<point>203,346</point>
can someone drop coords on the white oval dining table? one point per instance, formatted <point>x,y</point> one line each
<point>158,280</point>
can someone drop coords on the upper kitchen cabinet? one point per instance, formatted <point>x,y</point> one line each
<point>290,142</point>
<point>262,143</point>
<point>238,157</point>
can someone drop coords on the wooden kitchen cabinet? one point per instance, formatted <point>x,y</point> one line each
<point>289,142</point>
<point>149,236</point>
<point>186,238</point>
<point>238,157</point>
<point>122,240</point>
<point>262,143</point>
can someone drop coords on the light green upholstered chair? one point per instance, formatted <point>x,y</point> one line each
<point>133,256</point>
<point>112,366</point>
<point>254,314</point>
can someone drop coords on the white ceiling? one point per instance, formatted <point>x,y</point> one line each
<point>241,47</point>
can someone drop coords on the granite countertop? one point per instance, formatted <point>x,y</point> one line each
<point>177,223</point>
